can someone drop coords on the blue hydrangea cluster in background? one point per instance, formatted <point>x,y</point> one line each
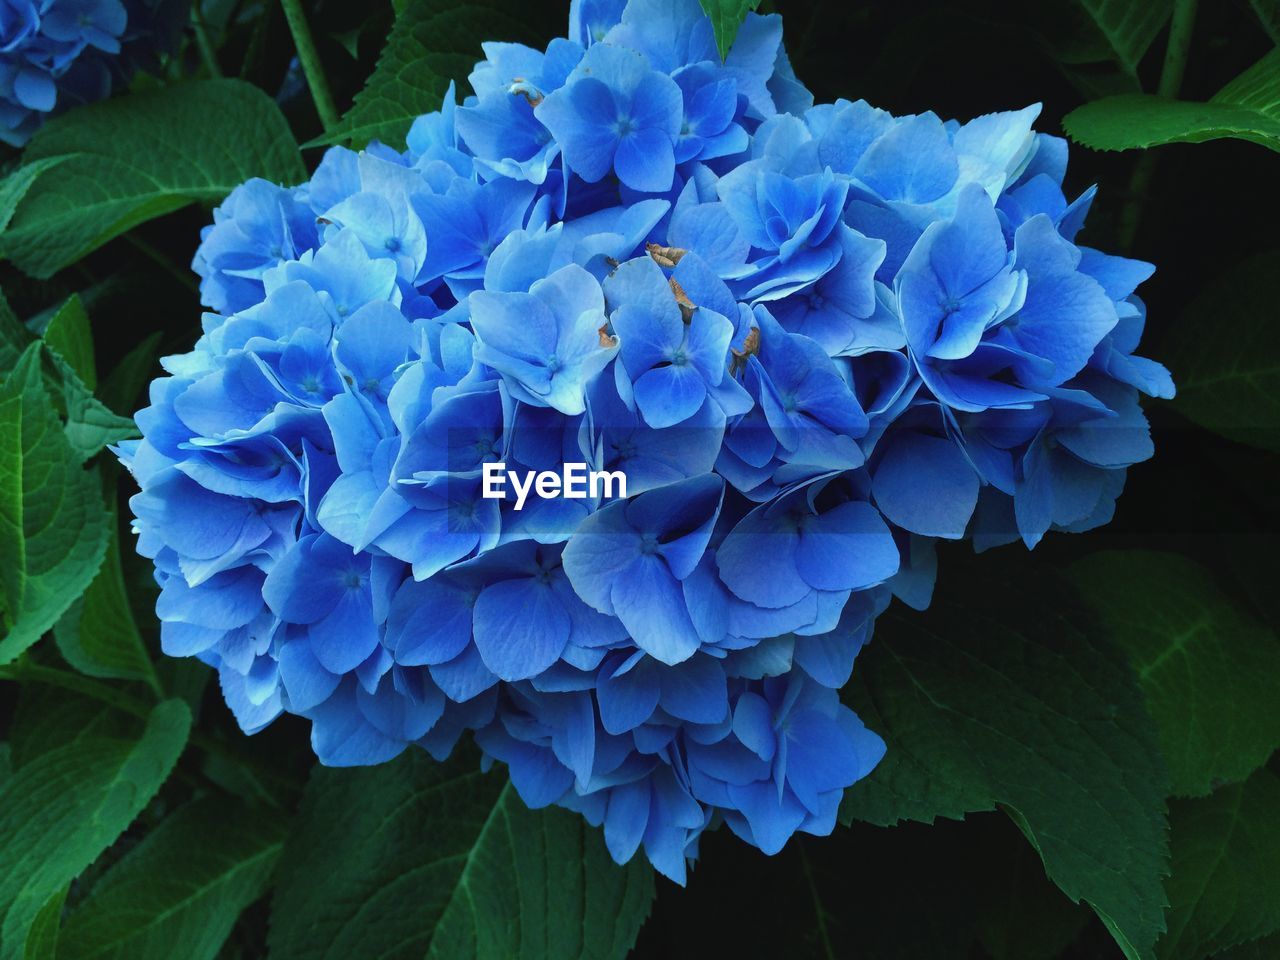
<point>816,339</point>
<point>57,53</point>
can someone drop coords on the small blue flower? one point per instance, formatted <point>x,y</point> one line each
<point>549,343</point>
<point>629,560</point>
<point>616,114</point>
<point>55,53</point>
<point>672,362</point>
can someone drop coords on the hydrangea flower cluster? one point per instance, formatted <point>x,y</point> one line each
<point>815,339</point>
<point>56,53</point>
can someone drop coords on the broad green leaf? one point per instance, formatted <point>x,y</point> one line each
<point>61,810</point>
<point>431,43</point>
<point>1264,948</point>
<point>90,426</point>
<point>42,937</point>
<point>179,892</point>
<point>994,698</point>
<point>1207,669</point>
<point>1230,382</point>
<point>1226,862</point>
<point>14,337</point>
<point>726,17</point>
<point>53,525</point>
<point>416,858</point>
<point>48,718</point>
<point>98,635</point>
<point>129,159</point>
<point>69,336</point>
<point>15,186</point>
<point>1248,108</point>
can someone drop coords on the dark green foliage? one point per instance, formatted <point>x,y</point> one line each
<point>361,875</point>
<point>988,703</point>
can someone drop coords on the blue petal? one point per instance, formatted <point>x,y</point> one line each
<point>627,697</point>
<point>926,485</point>
<point>521,628</point>
<point>695,691</point>
<point>649,602</point>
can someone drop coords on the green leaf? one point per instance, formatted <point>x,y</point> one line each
<point>1268,12</point>
<point>483,875</point>
<point>90,426</point>
<point>98,635</point>
<point>53,525</point>
<point>1248,108</point>
<point>15,186</point>
<point>129,159</point>
<point>60,811</point>
<point>1119,30</point>
<point>726,17</point>
<point>1206,668</point>
<point>985,702</point>
<point>1230,382</point>
<point>42,937</point>
<point>1226,861</point>
<point>431,43</point>
<point>122,387</point>
<point>14,337</point>
<point>48,717</point>
<point>179,892</point>
<point>1265,948</point>
<point>69,336</point>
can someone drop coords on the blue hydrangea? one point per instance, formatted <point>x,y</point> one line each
<point>57,53</point>
<point>816,339</point>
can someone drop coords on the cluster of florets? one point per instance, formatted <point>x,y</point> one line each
<point>57,53</point>
<point>814,339</point>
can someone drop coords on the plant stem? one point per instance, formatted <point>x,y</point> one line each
<point>819,911</point>
<point>207,55</point>
<point>1175,54</point>
<point>311,66</point>
<point>1171,73</point>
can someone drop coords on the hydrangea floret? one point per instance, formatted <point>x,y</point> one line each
<point>815,339</point>
<point>58,53</point>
